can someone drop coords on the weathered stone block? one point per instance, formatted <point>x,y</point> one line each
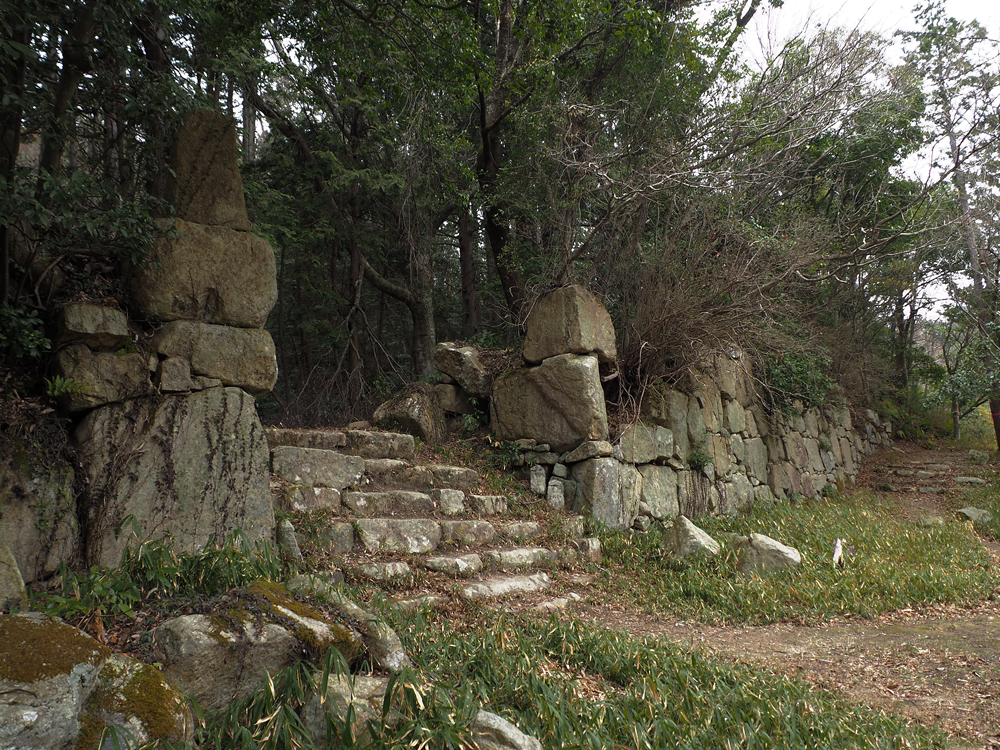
<point>399,535</point>
<point>462,363</point>
<point>643,444</point>
<point>192,466</point>
<point>173,375</point>
<point>206,186</point>
<point>208,274</point>
<point>560,402</point>
<point>38,516</point>
<point>316,468</point>
<point>242,357</point>
<point>101,378</point>
<point>100,328</point>
<point>669,408</point>
<point>684,538</point>
<point>453,399</point>
<point>659,490</point>
<point>416,410</point>
<point>467,532</point>
<point>569,320</point>
<point>609,490</point>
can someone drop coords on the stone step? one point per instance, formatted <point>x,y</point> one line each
<point>505,586</point>
<point>520,557</point>
<point>363,443</point>
<point>401,475</point>
<point>456,565</point>
<point>316,467</point>
<point>392,503</point>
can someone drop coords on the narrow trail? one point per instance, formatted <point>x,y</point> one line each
<point>940,666</point>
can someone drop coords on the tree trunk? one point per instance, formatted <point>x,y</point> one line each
<point>12,71</point>
<point>956,419</point>
<point>470,300</point>
<point>76,61</point>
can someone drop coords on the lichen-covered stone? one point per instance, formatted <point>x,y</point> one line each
<point>100,328</point>
<point>191,466</point>
<point>219,659</point>
<point>99,378</point>
<point>242,357</point>
<point>569,320</point>
<point>135,697</point>
<point>560,402</point>
<point>47,672</point>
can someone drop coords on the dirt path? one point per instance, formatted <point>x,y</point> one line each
<point>939,667</point>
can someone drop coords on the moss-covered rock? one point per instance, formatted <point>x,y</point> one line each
<point>135,699</point>
<point>221,658</point>
<point>48,671</point>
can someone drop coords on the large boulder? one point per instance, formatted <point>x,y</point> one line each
<point>241,357</point>
<point>560,403</point>
<point>206,187</point>
<point>609,490</point>
<point>569,320</point>
<point>59,688</point>
<point>99,378</point>
<point>137,700</point>
<point>38,517</point>
<point>47,671</point>
<point>191,466</point>
<point>99,327</point>
<point>210,274</point>
<point>416,410</point>
<point>219,659</point>
<point>462,364</point>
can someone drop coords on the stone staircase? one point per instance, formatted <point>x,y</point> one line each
<point>419,529</point>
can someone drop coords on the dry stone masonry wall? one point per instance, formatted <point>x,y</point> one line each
<point>708,451</point>
<point>170,440</point>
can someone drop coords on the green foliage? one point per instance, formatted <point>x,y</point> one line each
<point>151,571</point>
<point>798,376</point>
<point>898,564</point>
<point>575,686</point>
<point>699,458</point>
<point>57,386</point>
<point>20,334</point>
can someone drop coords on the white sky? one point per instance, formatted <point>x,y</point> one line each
<point>771,26</point>
<point>883,16</point>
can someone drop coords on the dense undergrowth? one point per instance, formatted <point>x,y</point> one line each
<point>896,564</point>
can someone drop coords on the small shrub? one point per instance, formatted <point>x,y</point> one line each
<point>798,376</point>
<point>20,334</point>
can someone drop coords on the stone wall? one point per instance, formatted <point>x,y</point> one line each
<point>168,437</point>
<point>710,450</point>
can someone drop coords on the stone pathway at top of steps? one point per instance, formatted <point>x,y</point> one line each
<point>932,478</point>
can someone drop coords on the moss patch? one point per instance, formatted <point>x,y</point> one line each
<point>31,650</point>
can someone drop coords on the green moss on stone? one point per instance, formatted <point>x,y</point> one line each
<point>31,651</point>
